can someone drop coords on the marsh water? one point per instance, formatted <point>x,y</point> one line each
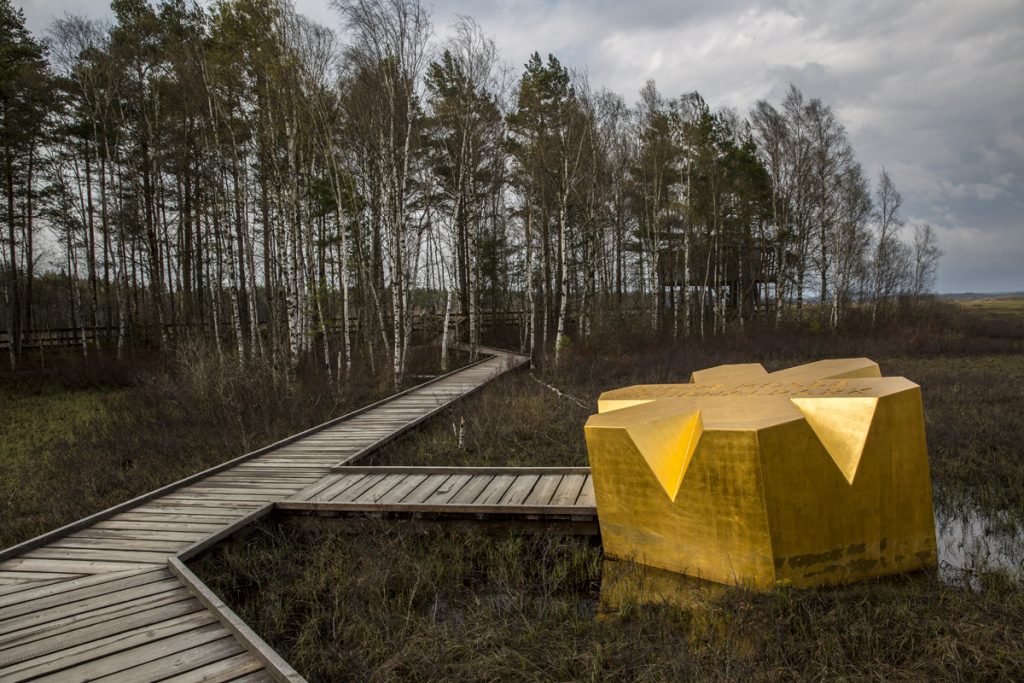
<point>970,541</point>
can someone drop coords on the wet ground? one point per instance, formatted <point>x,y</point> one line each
<point>970,541</point>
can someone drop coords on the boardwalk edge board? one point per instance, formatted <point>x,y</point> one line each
<point>445,508</point>
<point>275,664</point>
<point>427,469</point>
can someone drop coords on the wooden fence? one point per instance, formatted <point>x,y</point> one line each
<point>428,324</point>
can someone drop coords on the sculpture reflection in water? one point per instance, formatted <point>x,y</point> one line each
<point>814,475</point>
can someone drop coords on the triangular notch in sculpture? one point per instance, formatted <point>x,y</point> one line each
<point>667,445</point>
<point>842,425</point>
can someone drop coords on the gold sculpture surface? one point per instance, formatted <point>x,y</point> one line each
<point>813,475</point>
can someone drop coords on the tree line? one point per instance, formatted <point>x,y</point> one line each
<point>294,192</point>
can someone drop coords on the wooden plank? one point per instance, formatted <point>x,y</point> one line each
<point>493,492</point>
<point>198,627</point>
<point>77,590</point>
<point>204,498</point>
<point>223,481</point>
<point>381,488</point>
<point>221,493</point>
<point>148,649</point>
<point>292,478</point>
<point>426,487</point>
<point>64,586</point>
<point>568,490</point>
<point>168,547</point>
<point>267,467</point>
<point>351,492</point>
<point>89,619</point>
<point>241,487</point>
<point>158,526</point>
<point>317,486</point>
<point>22,577</point>
<point>74,566</point>
<point>169,518</point>
<point>106,601</point>
<point>220,671</point>
<point>586,497</point>
<point>258,677</point>
<point>173,523</point>
<point>247,473</point>
<point>193,513</point>
<point>339,486</point>
<point>97,555</point>
<point>230,512</point>
<point>178,503</point>
<point>206,664</point>
<point>178,662</point>
<point>543,490</point>
<point>93,532</point>
<point>297,462</point>
<point>287,479</point>
<point>57,637</point>
<point>448,489</point>
<point>468,493</point>
<point>29,585</point>
<point>408,483</point>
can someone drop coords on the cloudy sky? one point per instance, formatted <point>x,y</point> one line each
<point>933,90</point>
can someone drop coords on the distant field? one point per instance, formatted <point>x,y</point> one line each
<point>1001,306</point>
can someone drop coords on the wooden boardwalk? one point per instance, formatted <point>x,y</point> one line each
<point>548,491</point>
<point>109,597</point>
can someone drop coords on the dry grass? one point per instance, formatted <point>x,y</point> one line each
<point>513,422</point>
<point>1000,307</point>
<point>399,604</point>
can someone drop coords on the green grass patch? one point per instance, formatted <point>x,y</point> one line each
<point>37,433</point>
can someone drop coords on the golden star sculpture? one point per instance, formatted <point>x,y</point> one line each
<point>817,474</point>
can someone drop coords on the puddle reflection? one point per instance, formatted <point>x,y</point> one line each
<point>970,542</point>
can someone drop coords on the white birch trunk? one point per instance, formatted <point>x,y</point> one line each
<point>563,248</point>
<point>530,295</point>
<point>444,333</point>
